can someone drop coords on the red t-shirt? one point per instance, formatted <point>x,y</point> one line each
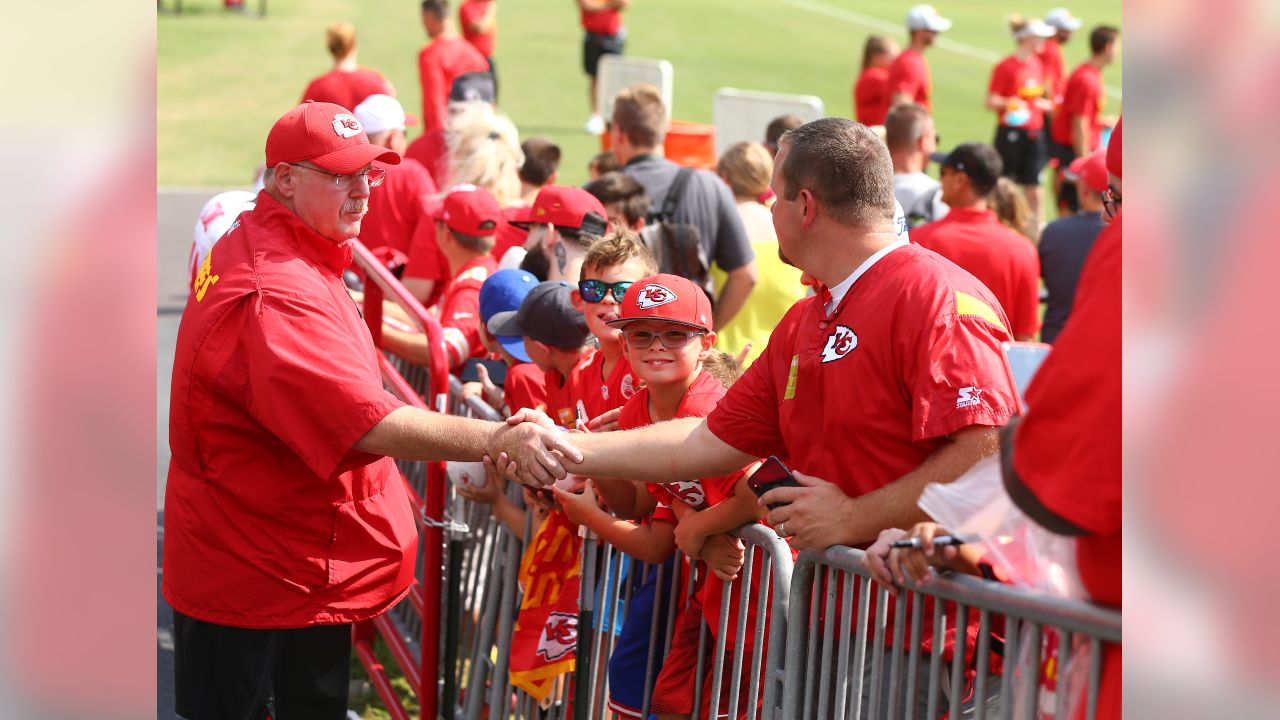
<point>698,401</point>
<point>431,149</point>
<point>1083,95</point>
<point>272,518</point>
<point>460,310</point>
<point>601,394</point>
<point>439,64</point>
<point>470,13</point>
<point>564,393</point>
<point>871,96</point>
<point>909,73</point>
<point>1006,262</point>
<point>398,208</point>
<point>1054,67</point>
<point>525,387</point>
<point>861,397</point>
<point>347,88</point>
<point>1024,80</point>
<point>1068,450</point>
<point>602,22</point>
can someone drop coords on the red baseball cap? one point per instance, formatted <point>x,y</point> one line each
<point>569,207</point>
<point>665,297</point>
<point>326,135</point>
<point>1092,169</point>
<point>470,210</point>
<point>1114,152</point>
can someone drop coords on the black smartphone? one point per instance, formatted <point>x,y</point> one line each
<point>771,474</point>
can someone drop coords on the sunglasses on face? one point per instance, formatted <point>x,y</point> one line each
<point>1111,202</point>
<point>593,291</point>
<point>671,339</point>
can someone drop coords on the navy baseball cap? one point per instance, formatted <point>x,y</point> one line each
<point>546,315</point>
<point>504,291</point>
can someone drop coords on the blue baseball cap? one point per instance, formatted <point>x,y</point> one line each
<point>504,291</point>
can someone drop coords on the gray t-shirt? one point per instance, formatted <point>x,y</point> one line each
<point>1064,245</point>
<point>707,205</point>
<point>920,197</point>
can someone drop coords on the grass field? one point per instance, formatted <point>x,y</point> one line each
<point>223,78</point>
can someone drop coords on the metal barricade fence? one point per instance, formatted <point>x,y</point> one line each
<point>610,580</point>
<point>827,670</point>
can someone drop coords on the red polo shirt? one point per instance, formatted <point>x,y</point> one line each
<point>909,73</point>
<point>1006,262</point>
<point>871,96</point>
<point>439,64</point>
<point>460,310</point>
<point>470,13</point>
<point>1054,67</point>
<point>602,22</point>
<point>1020,78</point>
<point>398,209</point>
<point>272,519</point>
<point>1083,95</point>
<point>347,88</point>
<point>525,387</point>
<point>1068,449</point>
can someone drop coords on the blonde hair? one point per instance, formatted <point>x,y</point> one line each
<point>1016,23</point>
<point>1011,207</point>
<point>484,150</point>
<point>616,248</point>
<point>340,38</point>
<point>746,167</point>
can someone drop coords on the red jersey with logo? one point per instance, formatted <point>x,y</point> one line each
<point>909,74</point>
<point>439,64</point>
<point>602,22</point>
<point>601,394</point>
<point>1022,80</point>
<point>1068,449</point>
<point>398,208</point>
<point>347,88</point>
<point>525,387</point>
<point>698,401</point>
<point>1083,95</point>
<point>460,310</point>
<point>272,518</point>
<point>871,96</point>
<point>1005,261</point>
<point>471,13</point>
<point>1054,68</point>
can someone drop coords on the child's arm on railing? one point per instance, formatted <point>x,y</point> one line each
<point>652,543</point>
<point>625,498</point>
<point>726,516</point>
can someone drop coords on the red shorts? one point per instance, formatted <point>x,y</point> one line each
<point>673,692</point>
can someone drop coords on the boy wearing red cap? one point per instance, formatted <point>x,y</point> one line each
<point>666,322</point>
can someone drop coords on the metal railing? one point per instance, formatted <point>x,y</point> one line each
<point>844,668</point>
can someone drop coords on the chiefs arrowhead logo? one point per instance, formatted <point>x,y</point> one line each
<point>839,343</point>
<point>346,125</point>
<point>651,296</point>
<point>559,636</point>
<point>690,492</point>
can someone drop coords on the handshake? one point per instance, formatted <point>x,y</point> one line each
<point>531,449</point>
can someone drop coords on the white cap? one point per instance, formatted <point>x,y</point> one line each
<point>1035,28</point>
<point>380,113</point>
<point>900,221</point>
<point>215,218</point>
<point>1062,19</point>
<point>924,17</point>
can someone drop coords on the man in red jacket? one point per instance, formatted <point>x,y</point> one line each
<point>285,517</point>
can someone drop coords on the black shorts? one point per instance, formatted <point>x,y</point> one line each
<point>596,46</point>
<point>231,673</point>
<point>1023,152</point>
<point>1067,197</point>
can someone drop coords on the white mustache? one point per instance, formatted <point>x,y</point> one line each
<point>356,207</point>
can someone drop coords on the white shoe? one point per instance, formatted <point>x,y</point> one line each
<point>594,126</point>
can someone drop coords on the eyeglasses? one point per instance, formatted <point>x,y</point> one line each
<point>593,291</point>
<point>375,176</point>
<point>671,339</point>
<point>1111,202</point>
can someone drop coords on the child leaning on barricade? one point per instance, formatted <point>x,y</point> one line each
<point>666,324</point>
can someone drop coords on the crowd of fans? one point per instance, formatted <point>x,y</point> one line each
<point>817,296</point>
